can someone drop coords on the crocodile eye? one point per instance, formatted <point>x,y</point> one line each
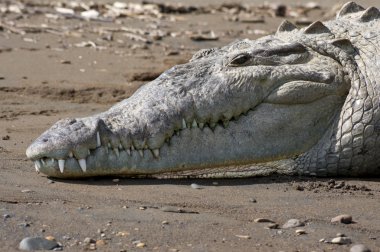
<point>239,60</point>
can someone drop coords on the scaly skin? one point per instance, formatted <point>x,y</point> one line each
<point>301,101</point>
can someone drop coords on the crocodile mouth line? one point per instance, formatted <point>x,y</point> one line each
<point>132,150</point>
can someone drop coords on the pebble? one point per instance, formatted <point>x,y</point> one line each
<point>343,218</point>
<point>292,223</point>
<point>253,200</point>
<point>88,240</point>
<point>196,186</point>
<point>26,191</point>
<point>341,240</point>
<point>37,243</point>
<point>24,224</point>
<point>261,220</point>
<point>6,216</point>
<point>140,245</point>
<point>272,226</point>
<point>100,243</point>
<point>165,222</point>
<point>359,248</point>
<point>300,231</point>
<point>243,236</point>
<point>50,238</point>
<point>90,14</point>
<point>122,233</point>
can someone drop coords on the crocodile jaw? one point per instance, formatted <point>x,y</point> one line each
<point>199,115</point>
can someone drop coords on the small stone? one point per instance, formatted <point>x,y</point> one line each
<point>300,231</point>
<point>292,223</point>
<point>165,222</point>
<point>26,191</point>
<point>37,243</point>
<point>243,236</point>
<point>24,224</point>
<point>6,216</point>
<point>90,14</point>
<point>88,240</point>
<point>50,238</point>
<point>142,208</point>
<point>272,226</point>
<point>261,220</point>
<point>103,235</point>
<point>322,240</point>
<point>359,248</point>
<point>341,240</point>
<point>140,245</point>
<point>66,62</point>
<point>196,186</point>
<point>343,218</point>
<point>253,200</point>
<point>340,235</point>
<point>100,243</point>
<point>122,233</point>
<point>92,246</point>
<point>6,137</point>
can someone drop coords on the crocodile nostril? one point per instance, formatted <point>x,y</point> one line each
<point>45,140</point>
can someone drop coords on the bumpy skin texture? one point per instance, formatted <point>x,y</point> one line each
<point>301,101</point>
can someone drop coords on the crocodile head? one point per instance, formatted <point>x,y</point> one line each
<point>249,102</point>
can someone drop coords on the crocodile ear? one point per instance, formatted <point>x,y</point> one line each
<point>350,7</point>
<point>286,26</point>
<point>316,28</point>
<point>345,45</point>
<point>370,14</point>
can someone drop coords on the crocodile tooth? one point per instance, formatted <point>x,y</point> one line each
<point>194,125</point>
<point>52,159</point>
<point>225,124</point>
<point>109,145</point>
<point>98,143</point>
<point>129,151</point>
<point>201,125</point>
<point>183,123</point>
<point>89,152</point>
<point>132,147</point>
<point>43,161</point>
<point>141,153</point>
<point>120,146</point>
<point>212,125</point>
<point>82,164</point>
<point>156,153</point>
<point>71,154</point>
<point>61,164</point>
<point>37,165</point>
<point>116,150</point>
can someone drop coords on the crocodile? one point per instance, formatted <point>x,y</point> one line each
<point>301,101</point>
